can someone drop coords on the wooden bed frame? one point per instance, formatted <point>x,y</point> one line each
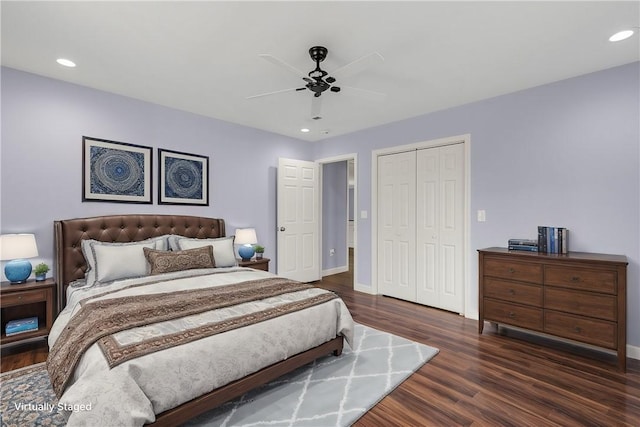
<point>70,265</point>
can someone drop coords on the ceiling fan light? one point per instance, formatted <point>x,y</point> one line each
<point>66,62</point>
<point>621,35</point>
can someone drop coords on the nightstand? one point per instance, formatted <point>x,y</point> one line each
<point>31,299</point>
<point>256,264</point>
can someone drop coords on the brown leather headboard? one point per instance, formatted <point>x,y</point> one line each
<point>70,263</point>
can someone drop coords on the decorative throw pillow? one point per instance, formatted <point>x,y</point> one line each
<point>223,253</point>
<point>168,261</point>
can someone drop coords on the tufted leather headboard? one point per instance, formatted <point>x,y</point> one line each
<point>70,263</point>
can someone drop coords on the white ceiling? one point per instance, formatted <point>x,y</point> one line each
<point>202,57</point>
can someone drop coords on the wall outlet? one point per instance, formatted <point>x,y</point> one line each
<point>332,252</point>
<point>482,215</point>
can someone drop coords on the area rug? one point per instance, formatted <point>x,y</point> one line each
<point>332,391</point>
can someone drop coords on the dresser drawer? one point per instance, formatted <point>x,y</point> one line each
<point>507,269</point>
<point>513,291</point>
<point>26,297</point>
<point>591,331</point>
<point>584,303</point>
<point>512,314</point>
<point>581,278</point>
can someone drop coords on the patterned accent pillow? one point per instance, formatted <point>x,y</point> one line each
<point>168,261</point>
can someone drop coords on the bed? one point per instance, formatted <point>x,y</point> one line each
<point>283,324</point>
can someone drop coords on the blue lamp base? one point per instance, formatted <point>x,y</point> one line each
<point>18,270</point>
<point>246,252</point>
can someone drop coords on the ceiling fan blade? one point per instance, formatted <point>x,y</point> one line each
<point>358,65</point>
<point>280,63</point>
<point>274,92</point>
<point>316,107</point>
<point>364,93</point>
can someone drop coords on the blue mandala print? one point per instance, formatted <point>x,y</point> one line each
<point>117,172</point>
<point>183,178</point>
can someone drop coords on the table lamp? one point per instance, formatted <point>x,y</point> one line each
<point>15,248</point>
<point>246,238</point>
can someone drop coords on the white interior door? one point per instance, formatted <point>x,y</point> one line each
<point>440,227</point>
<point>298,224</point>
<point>396,225</point>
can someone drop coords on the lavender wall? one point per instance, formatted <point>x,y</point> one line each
<point>564,154</point>
<point>43,121</point>
<point>334,215</point>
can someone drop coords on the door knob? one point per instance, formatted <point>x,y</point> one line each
<point>282,229</point>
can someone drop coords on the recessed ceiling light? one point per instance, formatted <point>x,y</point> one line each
<point>305,130</point>
<point>621,35</point>
<point>66,62</point>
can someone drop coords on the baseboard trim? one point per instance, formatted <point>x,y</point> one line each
<point>633,352</point>
<point>363,288</point>
<point>335,270</point>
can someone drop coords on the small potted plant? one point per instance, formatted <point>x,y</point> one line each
<point>41,271</point>
<point>259,251</point>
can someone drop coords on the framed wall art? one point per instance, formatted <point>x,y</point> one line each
<point>183,178</point>
<point>116,171</point>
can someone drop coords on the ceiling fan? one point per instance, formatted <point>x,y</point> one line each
<point>319,81</point>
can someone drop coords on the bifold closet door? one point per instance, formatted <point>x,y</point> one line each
<point>440,227</point>
<point>397,225</point>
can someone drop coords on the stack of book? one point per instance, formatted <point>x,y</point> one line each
<point>552,240</point>
<point>523,245</point>
<point>20,326</point>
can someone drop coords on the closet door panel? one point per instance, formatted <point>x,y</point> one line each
<point>426,277</point>
<point>440,227</point>
<point>451,232</point>
<point>428,218</point>
<point>396,225</point>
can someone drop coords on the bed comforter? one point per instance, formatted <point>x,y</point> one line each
<point>132,391</point>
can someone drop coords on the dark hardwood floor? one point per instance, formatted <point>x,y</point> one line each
<point>499,378</point>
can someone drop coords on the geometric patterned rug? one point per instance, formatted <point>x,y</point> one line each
<point>331,391</point>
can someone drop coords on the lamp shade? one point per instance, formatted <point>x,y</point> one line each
<point>15,248</point>
<point>246,238</point>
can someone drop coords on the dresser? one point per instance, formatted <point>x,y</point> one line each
<point>577,296</point>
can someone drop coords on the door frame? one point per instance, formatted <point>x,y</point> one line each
<point>466,141</point>
<point>321,163</point>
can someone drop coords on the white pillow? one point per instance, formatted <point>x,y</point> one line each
<point>88,246</point>
<point>223,253</point>
<point>172,239</point>
<point>120,262</point>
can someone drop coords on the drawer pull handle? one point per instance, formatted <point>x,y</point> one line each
<point>512,292</point>
<point>512,270</point>
<point>578,329</point>
<point>575,279</point>
<point>20,297</point>
<point>512,314</point>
